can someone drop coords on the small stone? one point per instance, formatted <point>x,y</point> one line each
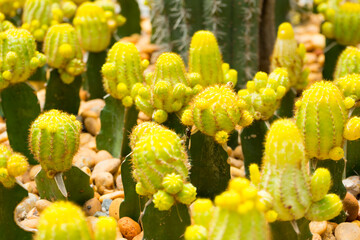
<point>106,204</point>
<point>92,206</point>
<point>316,236</point>
<point>129,228</point>
<point>85,158</point>
<point>318,227</point>
<point>33,171</point>
<point>100,214</point>
<point>95,105</point>
<point>116,194</point>
<point>31,187</point>
<point>86,170</point>
<point>109,165</point>
<point>2,127</point>
<point>118,182</point>
<point>3,137</point>
<point>114,208</point>
<point>104,180</point>
<point>30,223</point>
<point>143,116</point>
<point>347,231</point>
<point>238,153</point>
<point>235,172</point>
<point>318,40</point>
<point>92,125</point>
<point>351,207</point>
<point>102,155</point>
<point>141,235</point>
<point>235,162</point>
<point>352,185</point>
<point>85,138</point>
<point>42,204</point>
<point>311,58</point>
<point>357,222</point>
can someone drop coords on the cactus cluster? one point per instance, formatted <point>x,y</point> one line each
<point>11,166</point>
<point>160,166</point>
<point>217,111</point>
<point>348,62</point>
<point>290,55</point>
<point>19,56</point>
<point>54,140</point>
<point>62,51</point>
<point>264,93</point>
<point>241,212</point>
<point>349,85</point>
<point>285,176</point>
<point>342,22</point>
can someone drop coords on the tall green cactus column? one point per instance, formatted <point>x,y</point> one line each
<point>130,10</point>
<point>215,112</point>
<point>262,96</point>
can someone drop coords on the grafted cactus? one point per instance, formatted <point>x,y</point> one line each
<point>240,213</point>
<point>205,59</point>
<point>264,93</point>
<point>216,111</point>
<point>39,15</point>
<point>62,50</point>
<point>161,167</point>
<point>342,22</point>
<point>285,176</point>
<point>54,140</point>
<point>169,88</point>
<point>63,220</point>
<point>290,55</point>
<point>11,165</point>
<point>20,58</point>
<point>92,27</point>
<point>123,72</point>
<point>348,62</point>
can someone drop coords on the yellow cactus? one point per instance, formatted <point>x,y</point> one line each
<point>349,85</point>
<point>348,62</point>
<point>17,165</point>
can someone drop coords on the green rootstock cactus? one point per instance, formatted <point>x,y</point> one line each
<point>240,213</point>
<point>39,15</point>
<point>285,176</point>
<point>348,62</point>
<point>11,165</point>
<point>217,111</point>
<point>20,58</point>
<point>321,115</point>
<point>342,22</point>
<point>62,50</point>
<point>160,166</point>
<point>62,220</point>
<point>123,72</point>
<point>264,93</point>
<point>169,88</point>
<point>205,59</point>
<point>288,54</point>
<point>54,140</point>
<point>92,26</point>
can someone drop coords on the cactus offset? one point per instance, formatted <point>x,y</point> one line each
<point>161,166</point>
<point>169,88</point>
<point>291,56</point>
<point>216,111</point>
<point>348,62</point>
<point>62,50</point>
<point>63,220</point>
<point>349,85</point>
<point>54,140</point>
<point>114,20</point>
<point>205,59</point>
<point>285,176</point>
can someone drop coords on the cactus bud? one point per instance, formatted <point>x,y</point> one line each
<point>4,155</point>
<point>105,228</point>
<point>348,62</point>
<point>288,54</point>
<point>321,117</point>
<point>54,140</point>
<point>114,20</point>
<point>202,211</point>
<point>5,178</point>
<point>163,201</point>
<point>352,129</point>
<point>349,85</point>
<point>92,28</point>
<point>61,47</point>
<point>172,183</point>
<point>196,232</point>
<point>122,70</point>
<point>320,183</point>
<point>62,220</point>
<point>17,164</point>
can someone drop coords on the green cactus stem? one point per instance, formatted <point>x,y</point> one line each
<point>93,79</point>
<point>332,53</point>
<point>130,10</point>
<point>10,198</point>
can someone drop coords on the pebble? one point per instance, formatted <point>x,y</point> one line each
<point>118,182</point>
<point>2,127</point>
<point>115,208</point>
<point>351,207</point>
<point>30,223</point>
<point>102,155</point>
<point>109,165</point>
<point>116,194</point>
<point>347,231</point>
<point>144,117</point>
<point>95,105</point>
<point>85,158</point>
<point>352,185</point>
<point>92,206</point>
<point>328,235</point>
<point>106,204</point>
<point>92,125</point>
<point>141,235</point>
<point>103,180</point>
<point>238,153</point>
<point>31,187</point>
<point>3,137</point>
<point>235,162</point>
<point>42,204</point>
<point>316,236</point>
<point>34,170</point>
<point>318,227</point>
<point>85,138</point>
<point>129,228</point>
<point>235,172</point>
<point>357,222</point>
<point>100,214</point>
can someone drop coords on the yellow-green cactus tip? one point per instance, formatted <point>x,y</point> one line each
<point>202,205</point>
<point>163,201</point>
<point>327,28</point>
<point>228,200</point>
<point>285,31</point>
<point>127,101</point>
<point>7,180</point>
<point>271,216</point>
<point>349,102</point>
<point>254,174</point>
<point>196,232</point>
<point>105,228</point>
<point>139,188</point>
<point>17,164</point>
<point>320,184</point>
<point>352,129</point>
<point>221,137</point>
<point>187,117</point>
<point>336,153</point>
<point>172,183</point>
<point>160,116</point>
<point>187,195</point>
